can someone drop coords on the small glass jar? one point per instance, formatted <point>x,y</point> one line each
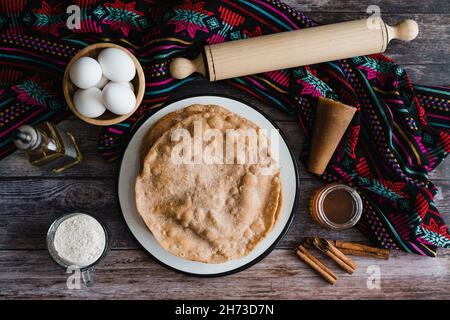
<point>87,272</point>
<point>336,206</point>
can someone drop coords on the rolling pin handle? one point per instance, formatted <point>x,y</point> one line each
<point>406,30</point>
<point>181,68</point>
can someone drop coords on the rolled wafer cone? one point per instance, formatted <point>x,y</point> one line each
<point>332,119</point>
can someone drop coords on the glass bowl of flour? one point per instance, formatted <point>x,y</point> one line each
<point>77,242</point>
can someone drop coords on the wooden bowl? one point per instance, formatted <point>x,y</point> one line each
<point>108,118</point>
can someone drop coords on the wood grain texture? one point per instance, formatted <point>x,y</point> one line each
<point>313,7</point>
<point>30,199</point>
<point>281,275</point>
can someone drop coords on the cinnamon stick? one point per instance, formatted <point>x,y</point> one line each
<point>341,259</point>
<point>316,265</point>
<point>362,250</point>
<point>331,251</point>
<point>317,261</point>
<point>355,249</point>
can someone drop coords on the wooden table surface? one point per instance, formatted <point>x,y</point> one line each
<point>30,199</point>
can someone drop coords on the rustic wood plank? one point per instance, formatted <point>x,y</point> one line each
<point>281,275</point>
<point>28,207</point>
<point>429,74</point>
<point>92,165</point>
<point>387,6</point>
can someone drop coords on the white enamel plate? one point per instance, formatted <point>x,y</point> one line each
<point>129,171</point>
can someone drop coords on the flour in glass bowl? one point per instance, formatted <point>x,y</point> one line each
<point>80,240</point>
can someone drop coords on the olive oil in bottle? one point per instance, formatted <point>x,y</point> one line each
<point>48,146</point>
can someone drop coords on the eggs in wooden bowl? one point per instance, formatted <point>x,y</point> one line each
<point>104,84</point>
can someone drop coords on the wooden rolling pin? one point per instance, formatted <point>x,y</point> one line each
<point>294,48</point>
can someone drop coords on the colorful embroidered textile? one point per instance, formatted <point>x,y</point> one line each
<point>399,133</point>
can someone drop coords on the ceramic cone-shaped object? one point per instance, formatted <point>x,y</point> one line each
<point>332,119</point>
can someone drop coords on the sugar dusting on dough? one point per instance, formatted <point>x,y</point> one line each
<point>205,212</point>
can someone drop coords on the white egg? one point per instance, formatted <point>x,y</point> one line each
<point>103,81</point>
<point>85,72</point>
<point>118,98</point>
<point>116,65</point>
<point>89,102</point>
<point>127,84</point>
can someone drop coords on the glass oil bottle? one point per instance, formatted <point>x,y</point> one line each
<point>48,146</point>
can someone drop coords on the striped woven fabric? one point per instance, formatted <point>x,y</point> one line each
<point>399,133</point>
